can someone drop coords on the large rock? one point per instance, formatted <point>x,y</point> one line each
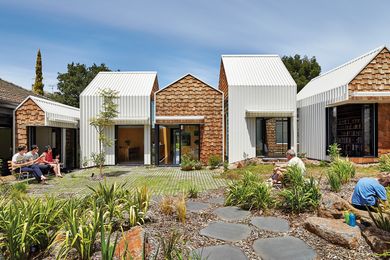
<point>333,206</point>
<point>131,243</point>
<point>334,231</point>
<point>379,240</point>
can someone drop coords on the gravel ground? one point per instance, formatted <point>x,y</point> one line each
<point>162,225</point>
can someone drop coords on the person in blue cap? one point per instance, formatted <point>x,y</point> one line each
<point>369,192</point>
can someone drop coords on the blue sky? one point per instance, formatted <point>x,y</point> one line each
<point>181,36</point>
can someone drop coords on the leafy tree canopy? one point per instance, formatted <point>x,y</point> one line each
<point>74,81</point>
<point>302,69</point>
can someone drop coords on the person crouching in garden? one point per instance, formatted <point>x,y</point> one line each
<point>292,160</point>
<point>369,192</point>
<point>55,163</point>
<point>20,162</point>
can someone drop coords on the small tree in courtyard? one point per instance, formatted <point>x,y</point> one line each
<point>101,123</point>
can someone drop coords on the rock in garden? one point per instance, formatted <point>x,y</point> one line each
<point>231,213</point>
<point>271,224</point>
<point>133,243</point>
<point>332,206</point>
<point>379,240</point>
<point>193,206</point>
<point>334,231</point>
<point>226,231</point>
<point>290,248</point>
<point>225,252</point>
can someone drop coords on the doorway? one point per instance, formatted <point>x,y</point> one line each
<point>129,144</point>
<point>176,140</point>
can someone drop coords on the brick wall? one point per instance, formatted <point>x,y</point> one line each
<point>274,149</point>
<point>191,97</point>
<point>383,129</point>
<point>223,86</point>
<point>29,114</point>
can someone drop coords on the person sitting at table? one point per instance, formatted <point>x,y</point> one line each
<point>55,163</point>
<point>33,155</point>
<point>368,192</point>
<point>19,162</point>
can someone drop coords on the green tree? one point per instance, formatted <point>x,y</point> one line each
<point>104,120</point>
<point>38,84</point>
<point>302,69</point>
<point>74,81</point>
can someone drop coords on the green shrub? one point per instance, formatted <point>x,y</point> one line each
<point>293,176</point>
<point>225,166</point>
<point>302,197</point>
<point>382,218</point>
<point>198,165</point>
<point>215,161</point>
<point>334,181</point>
<point>187,162</point>
<point>249,193</point>
<point>193,191</point>
<point>343,168</point>
<point>384,163</point>
<point>334,151</point>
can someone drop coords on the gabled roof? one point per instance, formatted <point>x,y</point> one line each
<point>256,70</point>
<point>55,111</point>
<point>12,94</point>
<point>337,77</point>
<point>127,83</point>
<point>186,75</point>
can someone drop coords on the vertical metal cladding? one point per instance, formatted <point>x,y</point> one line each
<point>134,90</point>
<point>242,136</point>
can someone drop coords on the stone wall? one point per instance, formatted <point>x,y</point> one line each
<point>191,97</point>
<point>383,129</point>
<point>29,114</point>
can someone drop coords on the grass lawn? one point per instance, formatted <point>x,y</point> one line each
<point>159,180</point>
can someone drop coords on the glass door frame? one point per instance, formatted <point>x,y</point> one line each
<point>157,142</point>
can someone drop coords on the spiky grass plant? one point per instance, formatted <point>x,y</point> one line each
<point>192,192</point>
<point>166,205</point>
<point>181,208</point>
<point>382,218</point>
<point>334,181</point>
<point>107,247</point>
<point>384,163</point>
<point>249,193</point>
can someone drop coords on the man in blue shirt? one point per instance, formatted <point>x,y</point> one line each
<point>368,192</point>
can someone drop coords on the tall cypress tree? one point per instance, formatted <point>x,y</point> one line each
<point>38,84</point>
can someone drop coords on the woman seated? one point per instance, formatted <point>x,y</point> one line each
<point>55,163</point>
<point>369,192</point>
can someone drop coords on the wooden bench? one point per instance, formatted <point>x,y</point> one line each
<point>17,172</point>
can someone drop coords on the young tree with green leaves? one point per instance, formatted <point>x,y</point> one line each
<point>74,81</point>
<point>302,69</point>
<point>38,84</point>
<point>104,120</point>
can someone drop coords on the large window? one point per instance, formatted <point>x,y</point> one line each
<point>353,127</point>
<point>281,131</point>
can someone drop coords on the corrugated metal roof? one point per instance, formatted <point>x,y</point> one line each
<point>256,70</point>
<point>55,111</point>
<point>127,83</point>
<point>339,76</point>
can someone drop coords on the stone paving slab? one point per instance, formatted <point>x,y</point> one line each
<point>226,231</point>
<point>288,247</point>
<point>221,252</point>
<point>217,200</point>
<point>193,206</point>
<point>231,213</point>
<point>273,224</point>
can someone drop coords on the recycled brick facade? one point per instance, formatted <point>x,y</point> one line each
<point>383,129</point>
<point>375,77</point>
<point>190,96</point>
<point>274,149</point>
<point>29,114</point>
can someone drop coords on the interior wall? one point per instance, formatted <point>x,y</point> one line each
<point>130,137</point>
<point>43,137</point>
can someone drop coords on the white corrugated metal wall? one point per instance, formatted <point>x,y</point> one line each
<point>242,130</point>
<point>128,107</point>
<point>312,121</point>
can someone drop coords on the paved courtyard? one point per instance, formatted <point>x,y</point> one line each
<point>160,180</point>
